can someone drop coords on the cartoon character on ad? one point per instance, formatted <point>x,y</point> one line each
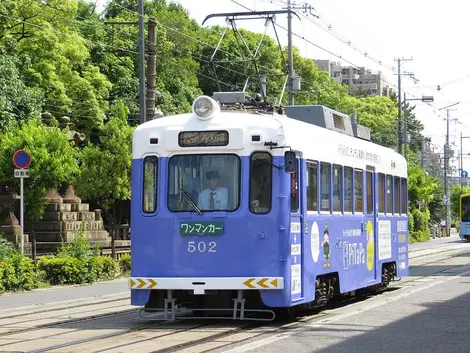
<point>326,247</point>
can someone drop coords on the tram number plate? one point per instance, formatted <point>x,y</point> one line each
<point>201,228</point>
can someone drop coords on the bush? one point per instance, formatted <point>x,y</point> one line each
<point>420,236</point>
<point>6,248</point>
<point>125,263</point>
<point>77,263</point>
<point>17,272</point>
<point>104,267</point>
<point>63,269</point>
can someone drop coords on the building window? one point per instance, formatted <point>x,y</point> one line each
<point>261,176</point>
<point>149,199</point>
<point>312,186</point>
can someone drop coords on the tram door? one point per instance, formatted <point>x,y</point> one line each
<point>371,223</point>
<point>296,230</point>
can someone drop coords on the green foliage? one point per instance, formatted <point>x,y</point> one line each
<point>417,237</point>
<point>17,101</point>
<point>436,205</point>
<point>53,161</point>
<point>57,56</point>
<point>125,263</point>
<point>109,182</point>
<point>17,272</point>
<point>64,270</point>
<point>77,263</point>
<point>55,60</point>
<point>6,248</point>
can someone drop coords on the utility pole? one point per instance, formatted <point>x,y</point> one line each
<point>422,152</point>
<point>290,56</point>
<point>142,97</point>
<point>399,103</point>
<point>151,69</point>
<point>446,169</point>
<point>461,164</point>
<point>307,8</point>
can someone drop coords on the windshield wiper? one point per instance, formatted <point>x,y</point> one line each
<point>186,196</point>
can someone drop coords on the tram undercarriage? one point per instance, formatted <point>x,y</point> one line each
<point>247,304</point>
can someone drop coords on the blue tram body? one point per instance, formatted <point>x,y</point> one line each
<point>328,217</point>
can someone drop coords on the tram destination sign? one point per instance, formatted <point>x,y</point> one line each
<point>202,138</point>
<point>201,228</point>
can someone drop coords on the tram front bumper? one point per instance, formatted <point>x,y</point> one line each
<point>200,284</point>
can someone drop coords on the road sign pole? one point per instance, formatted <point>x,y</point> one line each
<point>22,214</point>
<point>22,160</point>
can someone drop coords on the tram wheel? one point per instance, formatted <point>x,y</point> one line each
<point>286,313</point>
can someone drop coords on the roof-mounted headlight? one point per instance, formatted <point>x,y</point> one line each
<point>205,107</point>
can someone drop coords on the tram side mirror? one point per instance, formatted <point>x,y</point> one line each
<point>289,162</point>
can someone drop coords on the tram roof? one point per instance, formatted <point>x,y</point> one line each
<point>315,143</point>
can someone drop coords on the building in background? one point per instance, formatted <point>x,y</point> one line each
<point>361,81</point>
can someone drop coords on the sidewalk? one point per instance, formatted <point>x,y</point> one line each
<point>437,245</point>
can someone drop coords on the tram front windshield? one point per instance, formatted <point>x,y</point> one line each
<point>204,182</point>
<point>465,209</point>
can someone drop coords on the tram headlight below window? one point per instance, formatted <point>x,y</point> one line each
<point>204,107</point>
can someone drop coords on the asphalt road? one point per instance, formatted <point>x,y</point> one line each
<point>62,294</point>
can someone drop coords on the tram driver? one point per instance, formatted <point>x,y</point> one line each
<point>214,197</point>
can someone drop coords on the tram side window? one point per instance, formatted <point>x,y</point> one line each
<point>261,176</point>
<point>396,194</point>
<point>312,186</point>
<point>404,197</point>
<point>358,207</point>
<point>337,188</point>
<point>325,182</point>
<point>294,191</point>
<point>381,193</point>
<point>389,189</point>
<point>370,198</point>
<point>149,200</point>
<point>348,189</point>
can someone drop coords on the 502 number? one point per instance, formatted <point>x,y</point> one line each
<point>201,246</point>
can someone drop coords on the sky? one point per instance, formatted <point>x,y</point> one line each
<point>430,32</point>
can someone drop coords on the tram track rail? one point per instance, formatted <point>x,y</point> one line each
<point>28,316</point>
<point>191,335</point>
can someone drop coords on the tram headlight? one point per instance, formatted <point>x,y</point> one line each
<point>205,107</point>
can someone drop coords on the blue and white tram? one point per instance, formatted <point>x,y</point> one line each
<point>236,210</point>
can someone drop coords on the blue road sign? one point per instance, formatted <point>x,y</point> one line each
<point>464,174</point>
<point>22,159</point>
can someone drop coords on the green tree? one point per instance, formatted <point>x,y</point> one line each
<point>53,161</point>
<point>105,168</point>
<point>17,102</point>
<point>436,205</point>
<point>55,59</point>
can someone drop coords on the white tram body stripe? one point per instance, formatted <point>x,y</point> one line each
<point>201,284</point>
<point>315,143</point>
